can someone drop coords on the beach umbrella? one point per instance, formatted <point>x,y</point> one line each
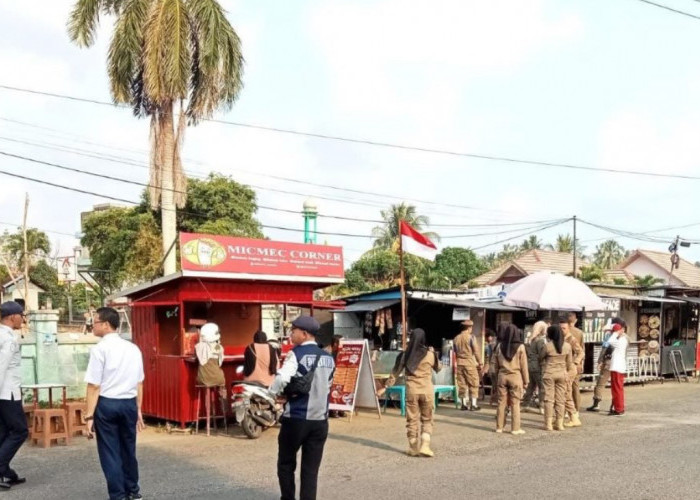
<point>552,291</point>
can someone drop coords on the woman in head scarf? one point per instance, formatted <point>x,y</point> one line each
<point>260,360</point>
<point>418,362</point>
<point>532,347</point>
<point>510,362</point>
<point>556,359</point>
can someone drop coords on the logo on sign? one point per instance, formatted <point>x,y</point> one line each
<point>204,252</point>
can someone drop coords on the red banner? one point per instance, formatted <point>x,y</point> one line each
<point>226,254</point>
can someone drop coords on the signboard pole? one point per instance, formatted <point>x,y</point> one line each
<point>404,325</point>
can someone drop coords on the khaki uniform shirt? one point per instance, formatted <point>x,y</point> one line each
<point>467,350</point>
<point>516,366</point>
<point>420,382</point>
<point>553,362</point>
<point>578,335</point>
<point>577,351</point>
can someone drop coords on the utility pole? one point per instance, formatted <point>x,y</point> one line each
<point>26,254</point>
<point>575,249</point>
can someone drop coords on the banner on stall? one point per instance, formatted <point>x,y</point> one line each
<point>461,314</point>
<point>353,382</point>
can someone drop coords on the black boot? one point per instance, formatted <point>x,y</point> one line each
<point>596,402</point>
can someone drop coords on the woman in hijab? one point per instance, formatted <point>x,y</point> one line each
<point>510,362</point>
<point>556,359</point>
<point>260,360</point>
<point>418,362</point>
<point>532,348</point>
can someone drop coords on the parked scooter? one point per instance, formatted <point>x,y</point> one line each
<point>254,407</point>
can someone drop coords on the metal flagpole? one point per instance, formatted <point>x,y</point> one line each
<point>404,325</point>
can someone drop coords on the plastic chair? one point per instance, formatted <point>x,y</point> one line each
<point>401,391</point>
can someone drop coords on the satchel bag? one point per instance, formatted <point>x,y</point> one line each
<point>300,385</point>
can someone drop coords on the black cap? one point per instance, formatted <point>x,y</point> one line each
<point>10,308</point>
<point>307,323</point>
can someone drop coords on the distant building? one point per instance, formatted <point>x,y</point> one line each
<point>13,290</point>
<point>529,262</point>
<point>658,264</point>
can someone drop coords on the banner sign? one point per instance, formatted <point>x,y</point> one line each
<point>247,256</point>
<point>353,382</point>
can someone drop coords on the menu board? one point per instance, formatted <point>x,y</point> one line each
<point>353,382</point>
<point>649,332</point>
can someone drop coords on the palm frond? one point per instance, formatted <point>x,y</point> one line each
<point>167,55</point>
<point>83,21</point>
<point>124,56</point>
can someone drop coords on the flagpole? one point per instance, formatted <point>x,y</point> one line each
<point>404,325</point>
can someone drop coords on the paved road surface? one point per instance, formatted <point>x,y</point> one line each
<point>651,453</point>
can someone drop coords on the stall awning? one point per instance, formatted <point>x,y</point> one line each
<point>692,300</point>
<point>643,298</point>
<point>475,304</point>
<point>367,306</point>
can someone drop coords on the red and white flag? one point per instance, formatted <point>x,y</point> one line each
<point>415,243</point>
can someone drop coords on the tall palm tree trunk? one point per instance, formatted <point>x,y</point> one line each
<point>168,208</point>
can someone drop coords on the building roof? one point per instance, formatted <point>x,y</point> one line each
<point>687,273</point>
<point>531,262</point>
<point>612,274</point>
<point>11,285</point>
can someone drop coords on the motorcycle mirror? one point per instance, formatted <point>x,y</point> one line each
<point>239,369</point>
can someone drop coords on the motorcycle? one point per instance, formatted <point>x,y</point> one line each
<point>254,407</point>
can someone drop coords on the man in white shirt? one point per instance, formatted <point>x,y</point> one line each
<point>618,368</point>
<point>13,422</point>
<point>114,395</point>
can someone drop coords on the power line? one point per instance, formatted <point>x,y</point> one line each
<point>389,144</point>
<point>666,7</point>
<point>540,229</point>
<point>42,230</point>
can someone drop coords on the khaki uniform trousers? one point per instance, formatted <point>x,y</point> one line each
<point>555,388</point>
<point>509,386</point>
<point>536,382</point>
<point>576,391</point>
<point>419,413</point>
<point>468,380</point>
<point>570,406</point>
<point>603,378</point>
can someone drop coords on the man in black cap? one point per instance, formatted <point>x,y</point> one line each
<point>13,422</point>
<point>304,423</point>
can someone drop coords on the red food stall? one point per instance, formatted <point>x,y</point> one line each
<point>224,280</point>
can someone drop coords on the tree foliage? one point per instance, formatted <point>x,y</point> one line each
<point>458,265</point>
<point>38,247</point>
<point>609,254</point>
<point>648,280</point>
<point>387,234</point>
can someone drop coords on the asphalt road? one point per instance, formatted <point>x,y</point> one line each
<point>650,453</point>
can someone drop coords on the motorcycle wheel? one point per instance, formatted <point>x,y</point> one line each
<point>251,428</point>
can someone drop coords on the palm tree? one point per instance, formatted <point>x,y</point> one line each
<point>509,252</point>
<point>565,244</point>
<point>386,235</point>
<point>38,246</point>
<point>648,280</point>
<point>531,243</point>
<point>491,260</point>
<point>592,273</point>
<point>609,254</point>
<point>166,54</point>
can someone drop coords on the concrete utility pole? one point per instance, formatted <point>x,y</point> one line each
<point>26,254</point>
<point>575,271</point>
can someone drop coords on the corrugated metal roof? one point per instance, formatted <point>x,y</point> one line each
<point>475,304</point>
<point>367,306</point>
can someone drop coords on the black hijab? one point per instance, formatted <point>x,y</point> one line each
<point>515,340</point>
<point>260,337</point>
<point>250,359</point>
<point>415,351</point>
<point>554,334</point>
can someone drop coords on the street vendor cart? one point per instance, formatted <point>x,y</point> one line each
<point>223,280</point>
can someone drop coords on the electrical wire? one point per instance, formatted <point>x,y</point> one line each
<point>666,7</point>
<point>542,228</point>
<point>404,147</point>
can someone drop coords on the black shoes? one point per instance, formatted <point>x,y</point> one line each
<point>475,408</point>
<point>8,482</point>
<point>134,496</point>
<point>616,413</point>
<point>594,407</point>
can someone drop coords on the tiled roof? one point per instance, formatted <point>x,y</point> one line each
<point>686,272</point>
<point>613,274</point>
<point>531,262</point>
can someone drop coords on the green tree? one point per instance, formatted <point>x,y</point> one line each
<point>386,235</point>
<point>609,254</point>
<point>458,266</point>
<point>38,247</point>
<point>648,280</point>
<point>166,54</point>
<point>491,260</point>
<point>531,243</point>
<point>565,244</point>
<point>509,252</point>
<point>593,273</point>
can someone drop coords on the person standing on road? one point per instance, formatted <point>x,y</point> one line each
<point>468,366</point>
<point>604,365</point>
<point>491,343</point>
<point>304,423</point>
<point>533,346</point>
<point>556,360</point>
<point>510,364</point>
<point>114,379</point>
<point>618,367</point>
<point>572,373</point>
<point>576,381</point>
<point>13,422</point>
<point>418,361</point>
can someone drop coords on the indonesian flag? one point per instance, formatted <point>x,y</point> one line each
<point>415,243</point>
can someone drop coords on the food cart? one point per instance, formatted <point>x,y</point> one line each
<point>227,281</point>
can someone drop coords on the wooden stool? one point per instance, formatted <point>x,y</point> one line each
<point>29,413</point>
<point>211,394</point>
<point>76,418</point>
<point>49,425</point>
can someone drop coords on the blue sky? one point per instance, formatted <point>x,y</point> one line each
<point>595,83</point>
